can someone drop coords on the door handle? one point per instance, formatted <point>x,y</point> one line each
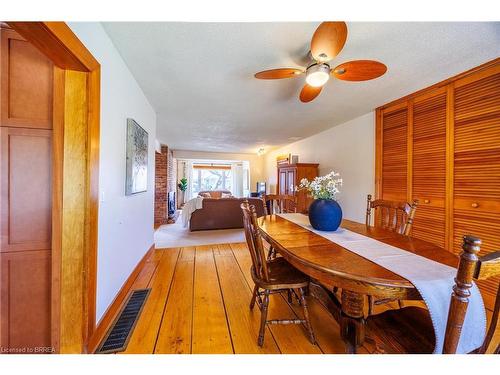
<point>475,205</point>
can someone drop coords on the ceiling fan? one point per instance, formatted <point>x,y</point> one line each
<point>327,42</point>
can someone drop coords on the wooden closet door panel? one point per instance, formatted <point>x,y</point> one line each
<point>282,182</point>
<point>25,182</point>
<point>26,78</point>
<point>429,168</point>
<point>477,165</point>
<point>290,181</point>
<point>27,83</point>
<point>477,144</point>
<point>25,299</point>
<point>394,155</point>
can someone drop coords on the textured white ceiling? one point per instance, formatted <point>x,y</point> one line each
<point>199,76</point>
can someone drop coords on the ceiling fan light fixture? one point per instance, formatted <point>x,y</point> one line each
<point>318,75</point>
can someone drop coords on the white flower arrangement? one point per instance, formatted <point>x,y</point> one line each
<point>324,187</point>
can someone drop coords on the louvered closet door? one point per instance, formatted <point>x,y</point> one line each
<point>429,167</point>
<point>394,154</point>
<point>477,165</point>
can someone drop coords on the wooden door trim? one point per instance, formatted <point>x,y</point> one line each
<point>379,134</point>
<point>394,108</point>
<point>409,152</point>
<point>56,41</point>
<point>429,94</point>
<point>68,53</point>
<point>483,73</point>
<point>450,164</point>
<point>57,202</point>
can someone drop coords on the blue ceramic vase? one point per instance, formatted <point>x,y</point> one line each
<point>325,214</point>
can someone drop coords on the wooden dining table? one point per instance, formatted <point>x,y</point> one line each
<point>332,267</point>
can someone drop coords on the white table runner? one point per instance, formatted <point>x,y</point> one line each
<point>433,280</point>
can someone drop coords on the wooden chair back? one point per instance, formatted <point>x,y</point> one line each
<point>282,203</point>
<point>394,216</point>
<point>470,267</point>
<point>254,241</point>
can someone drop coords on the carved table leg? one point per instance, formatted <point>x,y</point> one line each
<point>352,323</point>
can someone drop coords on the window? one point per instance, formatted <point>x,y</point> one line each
<point>210,177</point>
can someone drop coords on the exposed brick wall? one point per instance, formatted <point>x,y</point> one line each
<point>164,182</point>
<point>161,166</point>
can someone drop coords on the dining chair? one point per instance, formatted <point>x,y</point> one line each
<point>271,277</point>
<point>394,216</point>
<point>409,330</point>
<point>279,204</point>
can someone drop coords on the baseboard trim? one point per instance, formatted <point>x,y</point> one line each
<point>113,309</point>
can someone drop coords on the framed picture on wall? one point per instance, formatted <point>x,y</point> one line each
<point>137,159</point>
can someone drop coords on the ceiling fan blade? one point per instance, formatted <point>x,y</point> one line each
<point>308,93</point>
<point>328,40</point>
<point>359,70</point>
<point>278,73</point>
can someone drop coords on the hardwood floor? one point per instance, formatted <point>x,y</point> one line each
<point>199,304</point>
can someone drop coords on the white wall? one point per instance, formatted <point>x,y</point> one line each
<point>125,222</point>
<point>257,172</point>
<point>349,149</point>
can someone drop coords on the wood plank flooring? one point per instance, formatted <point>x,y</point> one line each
<point>199,304</point>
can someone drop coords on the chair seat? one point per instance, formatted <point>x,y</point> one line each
<point>282,275</point>
<point>407,330</point>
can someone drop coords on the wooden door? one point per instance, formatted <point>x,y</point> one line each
<point>26,195</point>
<point>394,154</point>
<point>476,188</point>
<point>442,146</point>
<point>429,167</point>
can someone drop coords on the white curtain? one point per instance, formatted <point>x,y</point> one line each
<point>188,173</point>
<point>237,183</point>
<point>246,179</point>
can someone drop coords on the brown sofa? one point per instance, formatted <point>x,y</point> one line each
<point>223,213</point>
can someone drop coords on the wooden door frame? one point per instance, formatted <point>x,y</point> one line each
<point>56,41</point>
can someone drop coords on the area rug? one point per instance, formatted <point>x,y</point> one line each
<point>175,235</point>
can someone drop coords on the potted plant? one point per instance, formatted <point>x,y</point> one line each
<point>324,212</point>
<point>183,185</point>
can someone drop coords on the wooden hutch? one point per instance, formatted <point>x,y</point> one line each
<point>289,176</point>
